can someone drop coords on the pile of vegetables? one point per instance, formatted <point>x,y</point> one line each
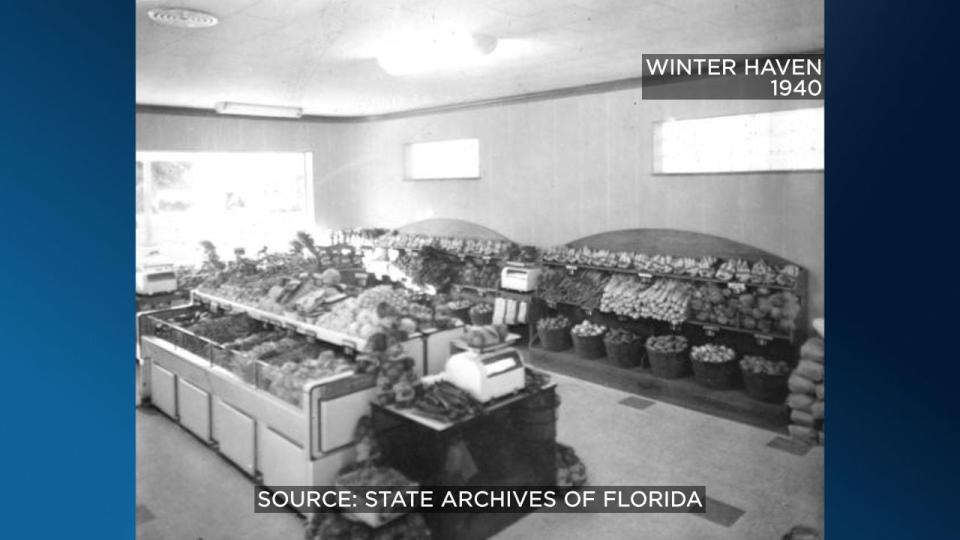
<point>481,309</point>
<point>666,300</point>
<point>486,336</point>
<point>553,323</point>
<point>287,380</point>
<point>621,294</point>
<point>667,344</point>
<point>583,289</point>
<point>713,354</point>
<point>761,365</point>
<point>619,336</point>
<point>459,304</point>
<point>588,329</point>
<point>479,275</point>
<point>445,402</point>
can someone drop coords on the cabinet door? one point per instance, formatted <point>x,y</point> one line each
<point>234,432</point>
<point>193,406</point>
<point>163,389</point>
<point>281,461</point>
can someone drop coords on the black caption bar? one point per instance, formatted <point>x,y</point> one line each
<point>496,499</point>
<point>732,76</point>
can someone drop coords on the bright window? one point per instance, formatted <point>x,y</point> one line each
<point>443,160</point>
<point>770,141</point>
<point>248,200</point>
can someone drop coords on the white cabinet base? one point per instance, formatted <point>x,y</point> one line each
<point>235,433</point>
<point>163,389</point>
<point>193,407</point>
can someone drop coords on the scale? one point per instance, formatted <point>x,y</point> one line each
<point>487,375</point>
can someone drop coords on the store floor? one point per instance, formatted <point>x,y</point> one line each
<point>758,484</point>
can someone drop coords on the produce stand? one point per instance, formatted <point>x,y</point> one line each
<point>503,451</point>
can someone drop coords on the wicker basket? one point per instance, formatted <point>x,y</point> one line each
<point>625,354</point>
<point>555,339</point>
<point>765,387</point>
<point>590,347</point>
<point>481,319</point>
<point>535,419</point>
<point>717,375</point>
<point>669,365</point>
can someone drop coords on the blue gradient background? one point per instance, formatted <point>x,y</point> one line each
<point>68,231</point>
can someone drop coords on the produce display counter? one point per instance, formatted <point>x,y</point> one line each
<point>247,410</point>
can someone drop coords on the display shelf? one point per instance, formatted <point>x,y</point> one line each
<point>729,404</point>
<point>323,334</point>
<point>642,273</point>
<point>759,336</point>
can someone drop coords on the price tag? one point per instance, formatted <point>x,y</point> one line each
<point>763,339</point>
<point>737,287</point>
<point>711,330</point>
<point>588,311</point>
<point>644,275</point>
<point>486,258</point>
<point>457,288</point>
<point>462,257</point>
<point>571,268</point>
<point>349,347</point>
<point>551,304</point>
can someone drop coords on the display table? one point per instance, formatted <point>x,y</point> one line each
<point>512,443</point>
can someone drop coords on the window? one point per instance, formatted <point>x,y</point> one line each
<point>771,141</point>
<point>248,200</point>
<point>443,160</point>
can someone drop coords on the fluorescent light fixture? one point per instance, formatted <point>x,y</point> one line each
<point>413,54</point>
<point>251,109</point>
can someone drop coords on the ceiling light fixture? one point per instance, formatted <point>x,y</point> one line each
<point>417,53</point>
<point>251,109</point>
<point>182,18</point>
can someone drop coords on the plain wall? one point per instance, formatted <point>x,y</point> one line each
<point>552,171</point>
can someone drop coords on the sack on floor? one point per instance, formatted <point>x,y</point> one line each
<point>803,433</point>
<point>810,370</point>
<point>801,402</point>
<point>799,385</point>
<point>812,349</point>
<point>817,410</point>
<point>801,532</point>
<point>801,418</point>
<point>819,391</point>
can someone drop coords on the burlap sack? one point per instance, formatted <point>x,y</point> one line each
<point>801,418</point>
<point>801,402</point>
<point>812,349</point>
<point>810,370</point>
<point>817,410</point>
<point>819,391</point>
<point>799,385</point>
<point>802,432</point>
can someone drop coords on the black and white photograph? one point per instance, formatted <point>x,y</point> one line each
<point>469,269</point>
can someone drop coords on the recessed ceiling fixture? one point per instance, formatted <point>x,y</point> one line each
<point>421,53</point>
<point>251,109</point>
<point>182,18</point>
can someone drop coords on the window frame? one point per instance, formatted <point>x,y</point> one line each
<point>657,157</point>
<point>408,177</point>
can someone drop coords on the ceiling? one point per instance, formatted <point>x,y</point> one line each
<point>321,54</point>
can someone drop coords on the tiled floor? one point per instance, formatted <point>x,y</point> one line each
<point>186,491</point>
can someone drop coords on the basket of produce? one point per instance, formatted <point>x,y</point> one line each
<point>715,366</point>
<point>765,380</point>
<point>588,339</point>
<point>668,356</point>
<point>461,310</point>
<point>554,333</point>
<point>481,314</point>
<point>624,348</point>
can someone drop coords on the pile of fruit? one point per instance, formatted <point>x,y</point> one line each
<point>396,380</point>
<point>588,329</point>
<point>553,323</point>
<point>713,354</point>
<point>287,380</point>
<point>619,336</point>
<point>473,247</point>
<point>667,344</point>
<point>666,300</point>
<point>481,309</point>
<point>583,289</point>
<point>766,311</point>
<point>713,304</point>
<point>485,336</point>
<point>445,402</point>
<point>480,275</point>
<point>761,365</point>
